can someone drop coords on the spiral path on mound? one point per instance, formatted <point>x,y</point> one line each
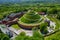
<point>31,17</point>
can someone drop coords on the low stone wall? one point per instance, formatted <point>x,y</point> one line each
<point>27,27</point>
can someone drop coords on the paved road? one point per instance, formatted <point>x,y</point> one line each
<point>28,32</point>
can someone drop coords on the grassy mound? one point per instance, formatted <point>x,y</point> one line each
<point>30,17</point>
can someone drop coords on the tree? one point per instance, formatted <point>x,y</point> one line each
<point>58,15</point>
<point>37,35</point>
<point>4,36</point>
<point>42,9</point>
<point>52,10</point>
<point>21,36</point>
<point>43,28</point>
<point>1,17</point>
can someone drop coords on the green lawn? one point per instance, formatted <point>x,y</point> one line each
<point>55,36</point>
<point>15,26</point>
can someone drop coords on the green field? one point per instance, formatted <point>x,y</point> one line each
<point>15,26</point>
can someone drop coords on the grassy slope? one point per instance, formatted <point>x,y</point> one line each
<point>15,26</point>
<point>56,21</point>
<point>55,36</point>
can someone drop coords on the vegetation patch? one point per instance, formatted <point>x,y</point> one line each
<point>15,26</point>
<point>55,36</point>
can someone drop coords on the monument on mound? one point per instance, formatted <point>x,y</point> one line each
<point>30,19</point>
